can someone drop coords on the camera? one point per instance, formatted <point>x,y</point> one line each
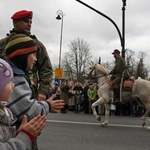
<point>57,96</point>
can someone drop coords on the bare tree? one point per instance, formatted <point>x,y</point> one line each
<point>130,61</point>
<point>77,58</point>
<point>141,71</point>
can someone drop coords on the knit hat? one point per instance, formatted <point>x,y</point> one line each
<point>6,74</point>
<point>18,48</point>
<point>19,44</point>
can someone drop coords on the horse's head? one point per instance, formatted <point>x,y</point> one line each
<point>92,71</point>
<point>97,71</point>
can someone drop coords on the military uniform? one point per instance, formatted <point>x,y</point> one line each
<point>117,72</point>
<point>119,68</point>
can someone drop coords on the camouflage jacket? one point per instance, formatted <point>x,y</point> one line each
<point>42,71</point>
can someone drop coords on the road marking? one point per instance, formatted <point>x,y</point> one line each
<point>96,124</point>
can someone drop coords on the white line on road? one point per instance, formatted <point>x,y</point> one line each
<point>88,123</point>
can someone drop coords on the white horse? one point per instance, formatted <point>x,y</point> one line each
<point>140,91</point>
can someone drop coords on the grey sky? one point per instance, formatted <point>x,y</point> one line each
<point>80,21</point>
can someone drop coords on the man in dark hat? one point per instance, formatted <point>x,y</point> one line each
<point>42,70</point>
<point>117,71</point>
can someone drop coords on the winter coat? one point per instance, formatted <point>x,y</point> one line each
<point>91,94</point>
<point>64,93</point>
<point>8,138</point>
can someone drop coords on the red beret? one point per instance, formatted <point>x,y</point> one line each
<point>116,51</point>
<point>22,14</point>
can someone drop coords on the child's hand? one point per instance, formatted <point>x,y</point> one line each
<point>34,126</point>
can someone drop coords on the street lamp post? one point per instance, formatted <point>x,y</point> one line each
<point>60,16</point>
<point>123,28</point>
<point>122,37</point>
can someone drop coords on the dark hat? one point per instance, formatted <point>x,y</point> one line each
<point>22,14</point>
<point>19,44</point>
<point>116,51</point>
<point>6,74</point>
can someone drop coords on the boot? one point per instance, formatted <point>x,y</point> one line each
<point>116,95</point>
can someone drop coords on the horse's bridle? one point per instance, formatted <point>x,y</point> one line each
<point>89,75</point>
<point>95,76</point>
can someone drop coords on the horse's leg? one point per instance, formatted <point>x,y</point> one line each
<point>143,118</point>
<point>98,102</point>
<point>107,112</point>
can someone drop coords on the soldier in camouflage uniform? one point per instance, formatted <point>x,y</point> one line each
<point>41,74</point>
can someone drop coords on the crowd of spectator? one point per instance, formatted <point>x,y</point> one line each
<point>79,98</point>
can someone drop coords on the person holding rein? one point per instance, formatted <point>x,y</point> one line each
<point>119,70</point>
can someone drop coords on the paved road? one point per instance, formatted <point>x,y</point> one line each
<point>82,132</point>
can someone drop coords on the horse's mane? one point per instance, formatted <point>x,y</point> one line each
<point>101,69</point>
